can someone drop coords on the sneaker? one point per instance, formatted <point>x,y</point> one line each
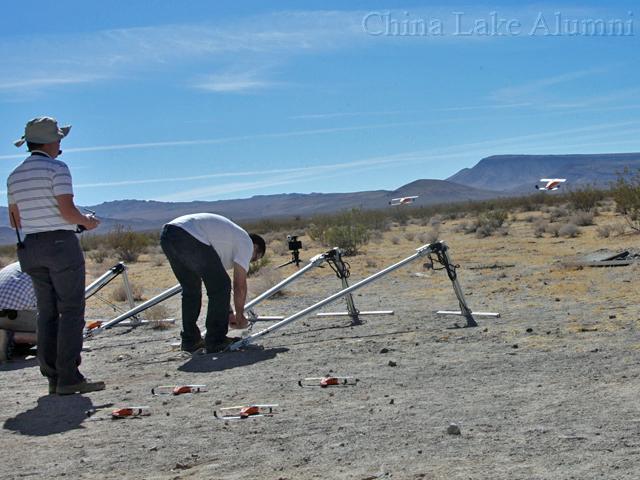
<point>222,346</point>
<point>6,345</point>
<point>85,386</point>
<point>192,348</point>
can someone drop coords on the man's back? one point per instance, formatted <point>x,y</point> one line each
<point>33,186</point>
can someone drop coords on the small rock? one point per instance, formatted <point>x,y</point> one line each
<point>612,316</point>
<point>453,429</point>
<point>218,402</point>
<point>529,330</point>
<point>392,401</point>
<point>515,345</point>
<point>392,363</point>
<point>153,449</point>
<point>167,374</point>
<point>557,299</point>
<point>384,350</point>
<point>181,466</point>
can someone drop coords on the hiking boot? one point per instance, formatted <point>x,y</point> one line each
<point>6,345</point>
<point>192,348</point>
<point>53,385</point>
<point>222,346</point>
<point>85,386</point>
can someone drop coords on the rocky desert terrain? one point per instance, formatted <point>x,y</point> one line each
<point>549,390</point>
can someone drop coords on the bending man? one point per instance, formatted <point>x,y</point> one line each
<point>200,248</point>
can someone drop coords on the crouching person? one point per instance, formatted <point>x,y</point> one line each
<point>201,247</point>
<point>18,311</point>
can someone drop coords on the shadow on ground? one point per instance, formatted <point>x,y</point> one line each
<point>18,363</point>
<point>228,360</point>
<point>53,414</point>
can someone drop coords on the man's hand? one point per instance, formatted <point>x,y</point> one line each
<point>238,321</point>
<point>91,222</point>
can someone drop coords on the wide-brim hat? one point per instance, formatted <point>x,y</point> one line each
<point>42,130</point>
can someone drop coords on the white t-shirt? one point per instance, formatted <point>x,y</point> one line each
<point>230,241</point>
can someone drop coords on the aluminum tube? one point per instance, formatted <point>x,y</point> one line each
<point>245,341</point>
<point>284,283</point>
<point>143,306</point>
<point>100,282</point>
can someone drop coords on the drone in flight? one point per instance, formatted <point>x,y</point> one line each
<point>403,200</point>
<point>551,184</point>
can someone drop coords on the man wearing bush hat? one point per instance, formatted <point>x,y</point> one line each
<point>41,205</point>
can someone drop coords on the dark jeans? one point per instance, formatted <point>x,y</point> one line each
<point>193,263</point>
<point>55,262</point>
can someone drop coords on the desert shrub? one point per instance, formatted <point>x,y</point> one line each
<point>487,223</point>
<point>410,236</point>
<point>99,255</point>
<point>586,198</point>
<point>395,240</point>
<point>348,230</point>
<point>119,294</point>
<point>558,213</point>
<point>254,267</point>
<point>530,218</point>
<point>430,236</point>
<point>371,263</point>
<point>603,231</point>
<point>347,237</point>
<point>157,312</point>
<point>265,279</point>
<point>582,218</point>
<point>127,245</point>
<point>540,228</point>
<point>626,194</point>
<point>569,230</point>
<point>552,229</point>
<point>158,259</point>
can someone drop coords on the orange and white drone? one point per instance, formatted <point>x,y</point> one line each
<point>552,184</point>
<point>403,200</point>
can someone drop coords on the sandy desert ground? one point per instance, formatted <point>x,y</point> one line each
<point>547,391</point>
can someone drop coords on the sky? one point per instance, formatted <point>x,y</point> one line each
<point>202,100</point>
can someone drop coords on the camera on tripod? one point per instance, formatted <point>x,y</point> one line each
<point>294,247</point>
<point>294,243</point>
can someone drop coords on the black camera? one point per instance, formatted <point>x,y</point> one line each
<point>294,243</point>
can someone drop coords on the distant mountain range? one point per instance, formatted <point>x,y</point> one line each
<point>519,173</point>
<point>492,177</point>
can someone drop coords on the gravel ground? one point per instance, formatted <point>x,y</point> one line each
<point>547,391</point>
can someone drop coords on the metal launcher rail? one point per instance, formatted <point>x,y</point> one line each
<point>440,249</point>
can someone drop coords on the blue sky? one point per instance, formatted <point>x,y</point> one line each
<point>204,100</point>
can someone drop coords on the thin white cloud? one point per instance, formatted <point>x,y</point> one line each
<point>322,116</point>
<point>527,91</point>
<point>233,82</point>
<point>260,40</point>
<point>211,141</point>
<point>494,106</point>
<point>36,83</point>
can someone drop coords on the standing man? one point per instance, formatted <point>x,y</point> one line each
<point>41,205</point>
<point>200,248</point>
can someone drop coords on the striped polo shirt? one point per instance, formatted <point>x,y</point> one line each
<point>33,186</point>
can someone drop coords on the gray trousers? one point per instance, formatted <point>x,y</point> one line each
<point>55,262</point>
<point>25,321</point>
